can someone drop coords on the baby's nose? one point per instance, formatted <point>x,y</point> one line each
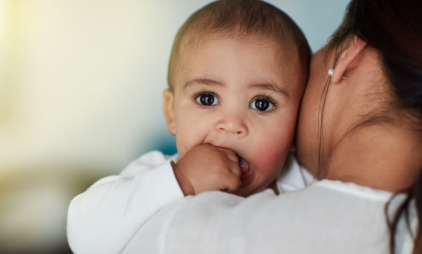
<point>233,124</point>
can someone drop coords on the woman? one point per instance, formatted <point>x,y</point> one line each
<point>359,130</point>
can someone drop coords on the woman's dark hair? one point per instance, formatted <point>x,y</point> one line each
<point>394,28</point>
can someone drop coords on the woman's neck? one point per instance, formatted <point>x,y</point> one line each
<point>386,158</point>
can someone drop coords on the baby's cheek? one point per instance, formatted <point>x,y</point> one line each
<point>271,153</point>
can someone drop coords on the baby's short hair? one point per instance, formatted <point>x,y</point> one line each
<point>242,17</point>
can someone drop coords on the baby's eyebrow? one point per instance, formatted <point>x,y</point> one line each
<point>202,81</point>
<point>264,86</point>
<point>271,87</point>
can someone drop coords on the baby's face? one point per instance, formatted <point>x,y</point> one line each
<point>241,94</point>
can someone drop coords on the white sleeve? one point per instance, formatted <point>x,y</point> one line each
<point>104,218</point>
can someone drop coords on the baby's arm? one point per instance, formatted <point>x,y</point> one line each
<point>105,217</point>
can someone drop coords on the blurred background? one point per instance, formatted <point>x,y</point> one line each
<point>80,97</point>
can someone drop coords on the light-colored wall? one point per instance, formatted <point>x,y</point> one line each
<point>80,90</point>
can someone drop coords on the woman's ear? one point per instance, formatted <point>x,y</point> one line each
<point>348,60</point>
<point>168,109</point>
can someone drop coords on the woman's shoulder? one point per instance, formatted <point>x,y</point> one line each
<point>327,217</point>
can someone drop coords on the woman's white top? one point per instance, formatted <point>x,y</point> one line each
<point>329,217</point>
<point>143,210</point>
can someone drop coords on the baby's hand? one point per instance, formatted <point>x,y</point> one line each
<point>206,168</point>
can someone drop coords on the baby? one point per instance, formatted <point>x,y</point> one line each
<point>237,72</point>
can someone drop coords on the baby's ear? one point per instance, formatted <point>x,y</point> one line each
<point>168,109</point>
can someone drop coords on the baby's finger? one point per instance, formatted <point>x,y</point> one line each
<point>230,154</point>
<point>233,183</point>
<point>235,168</point>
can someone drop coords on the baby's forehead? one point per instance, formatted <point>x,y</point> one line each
<point>192,41</point>
<point>192,45</point>
<point>210,58</point>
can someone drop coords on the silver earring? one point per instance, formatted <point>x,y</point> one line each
<point>330,72</point>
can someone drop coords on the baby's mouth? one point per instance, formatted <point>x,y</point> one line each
<point>245,170</point>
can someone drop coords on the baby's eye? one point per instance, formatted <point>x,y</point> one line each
<point>207,99</point>
<point>262,104</point>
